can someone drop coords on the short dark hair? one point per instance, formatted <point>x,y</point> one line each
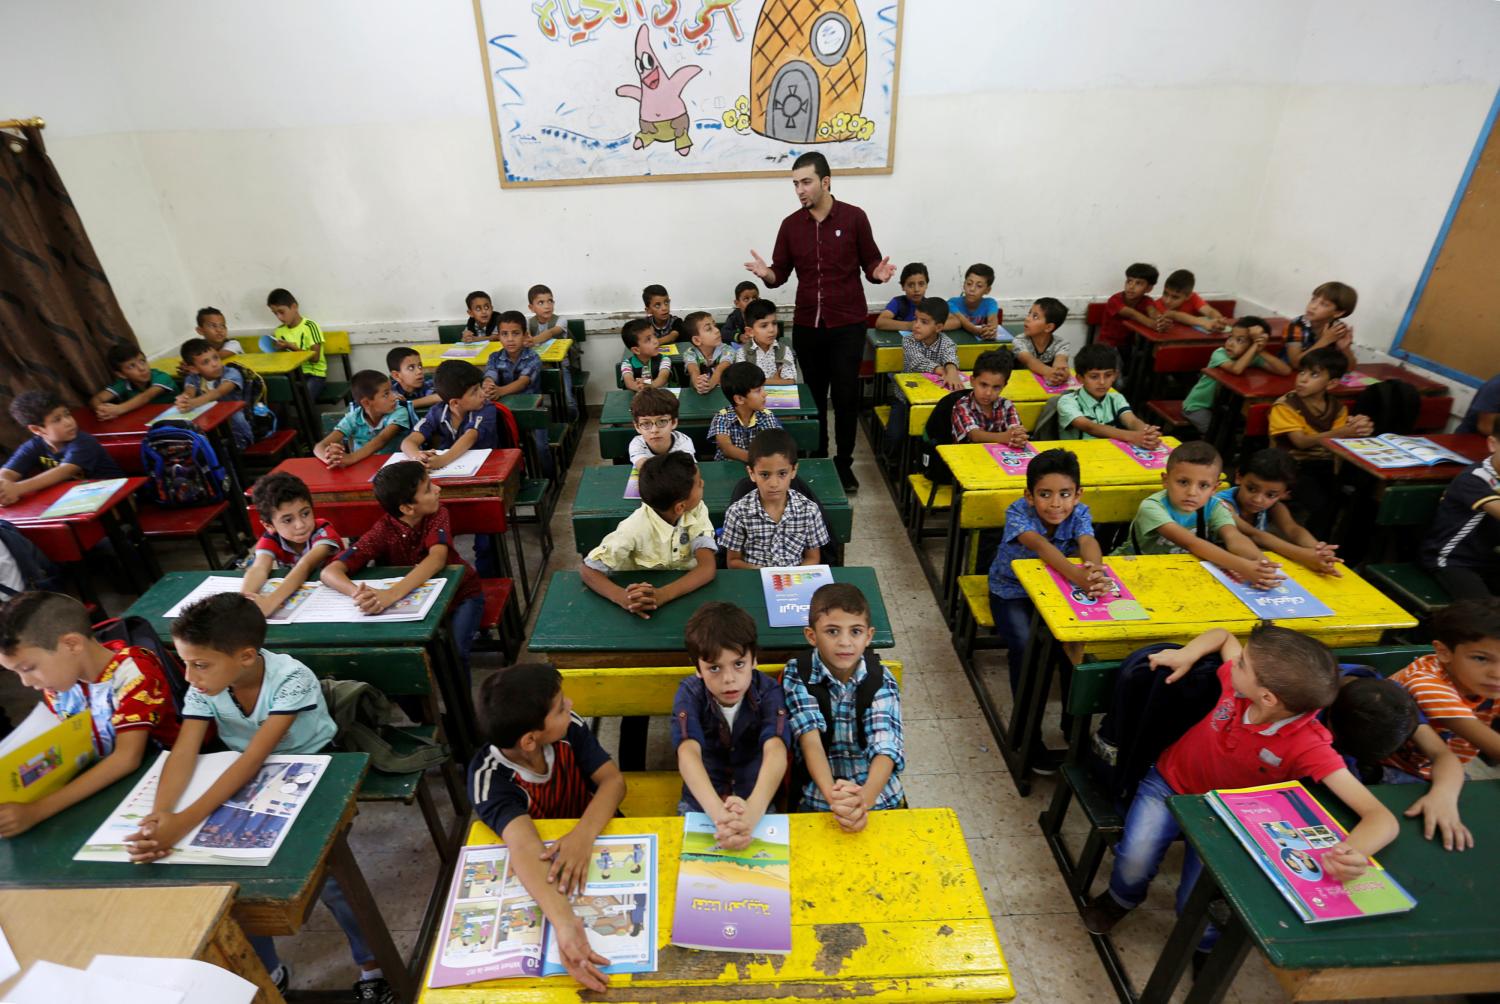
<point>1096,356</point>
<point>1328,359</point>
<point>1180,281</point>
<point>1053,310</point>
<point>516,701</point>
<point>395,485</point>
<point>1143,271</point>
<point>716,626</point>
<point>814,160</point>
<point>121,353</point>
<point>655,289</point>
<point>272,491</point>
<point>1371,719</point>
<point>1340,294</point>
<point>650,401</point>
<point>365,384</point>
<point>1251,321</point>
<point>631,331</point>
<point>744,286</point>
<point>691,321</point>
<point>982,270</point>
<point>758,309</point>
<point>1053,461</point>
<point>740,379</point>
<point>279,297</point>
<point>912,268</point>
<point>1299,670</point>
<point>227,622</point>
<point>31,407</point>
<point>41,619</point>
<point>1199,451</point>
<point>512,317</point>
<point>476,295</point>
<point>536,291</point>
<point>454,377</point>
<point>399,355</point>
<point>1001,361</point>
<point>934,307</point>
<point>193,348</point>
<point>837,596</point>
<point>1270,464</point>
<point>206,312</point>
<point>771,443</point>
<point>1467,621</point>
<point>667,479</point>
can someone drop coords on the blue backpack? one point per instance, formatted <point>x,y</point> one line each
<point>183,467</point>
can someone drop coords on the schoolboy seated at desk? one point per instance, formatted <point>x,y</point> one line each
<point>654,413</point>
<point>1462,545</point>
<point>845,713</point>
<point>1133,303</point>
<point>544,323</point>
<point>410,381</point>
<point>136,384</point>
<point>414,532</point>
<point>734,323</point>
<point>1302,421</point>
<point>666,325</point>
<point>46,640</point>
<point>974,310</point>
<point>902,309</point>
<point>670,531</point>
<point>643,365</point>
<point>1243,347</point>
<point>729,724</point>
<point>928,350</point>
<point>296,333</point>
<point>482,325</point>
<point>1180,305</point>
<point>708,357</point>
<point>985,415</point>
<point>1098,411</point>
<point>56,452</point>
<point>374,424</point>
<point>732,429</point>
<point>515,368</point>
<point>1038,347</point>
<point>1483,409</point>
<point>209,324</point>
<point>777,361</point>
<point>774,526</point>
<point>262,703</point>
<point>1255,499</point>
<point>1458,686</point>
<point>208,378</point>
<point>1186,517</point>
<point>1322,324</point>
<point>466,421</point>
<point>293,539</point>
<point>541,761</point>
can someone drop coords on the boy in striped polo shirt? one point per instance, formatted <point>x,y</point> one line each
<point>1458,686</point>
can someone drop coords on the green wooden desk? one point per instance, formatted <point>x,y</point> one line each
<point>578,627</point>
<point>695,412</point>
<point>600,503</point>
<point>274,899</point>
<point>531,410</point>
<point>431,634</point>
<point>1448,944</point>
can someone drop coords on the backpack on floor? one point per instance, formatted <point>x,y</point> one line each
<point>361,715</point>
<point>37,571</point>
<point>938,432</point>
<point>864,699</point>
<point>1146,716</point>
<point>257,407</point>
<point>137,632</point>
<point>1392,405</point>
<point>832,553</point>
<point>183,467</point>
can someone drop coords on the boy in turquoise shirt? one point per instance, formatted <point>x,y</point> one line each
<point>376,423</point>
<point>136,383</point>
<point>1245,346</point>
<point>1098,411</point>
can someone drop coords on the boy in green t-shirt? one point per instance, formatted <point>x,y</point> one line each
<point>298,334</point>
<point>1244,347</point>
<point>1096,410</point>
<point>1186,518</point>
<point>136,383</point>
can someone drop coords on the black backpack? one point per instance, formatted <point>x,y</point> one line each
<point>864,698</point>
<point>939,432</point>
<point>832,553</point>
<point>1146,716</point>
<point>257,408</point>
<point>1392,405</point>
<point>138,633</point>
<point>37,570</point>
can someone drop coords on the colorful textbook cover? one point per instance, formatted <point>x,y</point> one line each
<point>1286,601</point>
<point>43,753</point>
<point>734,901</point>
<point>1012,459</point>
<point>783,396</point>
<point>1119,604</point>
<point>1151,460</point>
<point>1287,833</point>
<point>81,498</point>
<point>789,592</point>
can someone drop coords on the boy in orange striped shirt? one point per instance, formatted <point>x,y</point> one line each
<point>1458,686</point>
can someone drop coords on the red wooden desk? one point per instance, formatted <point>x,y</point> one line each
<point>1386,371</point>
<point>66,539</point>
<point>1471,445</point>
<point>1139,380</point>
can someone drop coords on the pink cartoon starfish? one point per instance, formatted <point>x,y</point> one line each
<point>664,116</point>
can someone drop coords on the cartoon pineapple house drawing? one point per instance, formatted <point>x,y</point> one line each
<point>807,69</point>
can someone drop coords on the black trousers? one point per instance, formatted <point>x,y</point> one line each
<point>1469,583</point>
<point>830,359</point>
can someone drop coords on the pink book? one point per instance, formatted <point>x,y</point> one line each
<point>935,379</point>
<point>1151,460</point>
<point>1071,384</point>
<point>1012,459</point>
<point>1119,604</point>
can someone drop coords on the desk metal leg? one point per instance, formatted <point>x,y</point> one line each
<point>1029,703</point>
<point>1218,972</point>
<point>458,701</point>
<point>305,407</point>
<point>125,548</point>
<point>342,866</point>
<point>953,558</point>
<point>235,467</point>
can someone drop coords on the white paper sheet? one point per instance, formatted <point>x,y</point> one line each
<point>213,585</point>
<point>198,982</point>
<point>8,964</point>
<point>465,466</point>
<point>48,983</point>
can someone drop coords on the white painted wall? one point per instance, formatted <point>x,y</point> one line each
<point>342,148</point>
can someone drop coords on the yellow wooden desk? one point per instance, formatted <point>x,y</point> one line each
<point>862,924</point>
<point>274,363</point>
<point>432,354</point>
<point>921,394</point>
<point>336,344</point>
<point>890,358</point>
<point>556,353</point>
<point>71,926</point>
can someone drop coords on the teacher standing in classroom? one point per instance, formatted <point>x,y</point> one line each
<point>828,244</point>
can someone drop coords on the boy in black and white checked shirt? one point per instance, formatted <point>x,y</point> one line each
<point>927,349</point>
<point>774,526</point>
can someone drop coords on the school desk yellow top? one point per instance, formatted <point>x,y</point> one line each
<point>1184,600</point>
<point>889,356</point>
<point>1101,462</point>
<point>895,912</point>
<point>556,352</point>
<point>921,394</point>
<point>336,343</point>
<point>273,363</point>
<point>432,353</point>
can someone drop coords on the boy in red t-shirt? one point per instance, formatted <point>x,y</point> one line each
<point>1264,730</point>
<point>46,640</point>
<point>1133,303</point>
<point>1180,305</point>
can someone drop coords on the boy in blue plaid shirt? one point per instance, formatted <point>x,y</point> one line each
<point>515,368</point>
<point>744,386</point>
<point>774,526</point>
<point>848,777</point>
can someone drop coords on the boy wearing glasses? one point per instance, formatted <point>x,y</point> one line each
<point>654,412</point>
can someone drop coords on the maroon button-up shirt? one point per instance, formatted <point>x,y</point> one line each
<point>392,542</point>
<point>828,258</point>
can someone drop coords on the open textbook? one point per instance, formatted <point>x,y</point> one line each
<point>246,830</point>
<point>465,466</point>
<point>1391,451</point>
<point>315,603</point>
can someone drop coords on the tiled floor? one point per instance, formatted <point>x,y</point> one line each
<point>951,761</point>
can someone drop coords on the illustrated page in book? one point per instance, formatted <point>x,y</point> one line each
<point>492,928</point>
<point>82,498</point>
<point>788,592</point>
<point>617,905</point>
